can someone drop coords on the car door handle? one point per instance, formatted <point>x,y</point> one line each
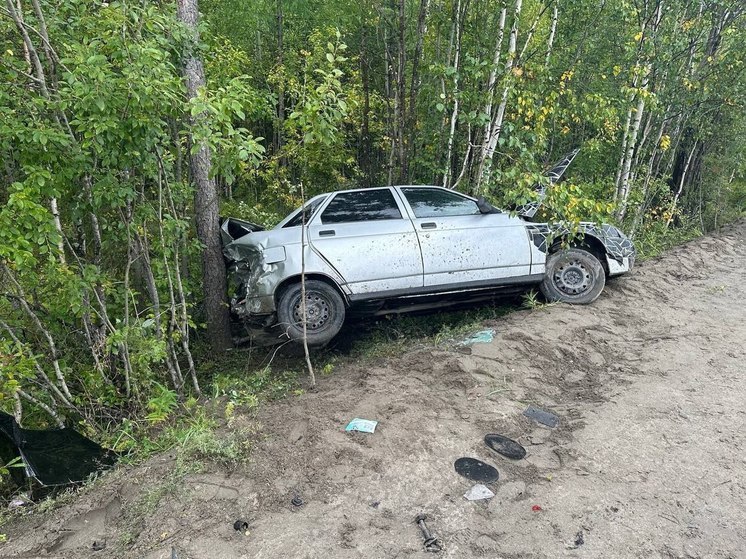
<point>429,225</point>
<point>327,233</point>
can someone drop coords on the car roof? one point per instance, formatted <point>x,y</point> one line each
<point>396,186</point>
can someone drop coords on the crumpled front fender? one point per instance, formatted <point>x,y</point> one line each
<point>619,248</point>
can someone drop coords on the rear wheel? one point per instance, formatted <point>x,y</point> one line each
<point>574,276</point>
<point>325,312</point>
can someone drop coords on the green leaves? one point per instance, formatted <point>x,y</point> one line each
<point>216,115</point>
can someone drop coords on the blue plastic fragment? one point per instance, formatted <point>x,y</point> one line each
<point>362,425</point>
<point>481,337</point>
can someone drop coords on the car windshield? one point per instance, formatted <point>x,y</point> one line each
<point>304,216</point>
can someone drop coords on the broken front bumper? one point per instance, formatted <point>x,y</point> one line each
<point>616,267</point>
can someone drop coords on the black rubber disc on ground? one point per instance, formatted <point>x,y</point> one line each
<point>505,446</point>
<point>476,470</point>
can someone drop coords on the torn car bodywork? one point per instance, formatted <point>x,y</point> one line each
<point>617,250</point>
<point>260,261</point>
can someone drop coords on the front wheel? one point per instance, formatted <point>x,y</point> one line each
<point>573,276</point>
<point>325,312</point>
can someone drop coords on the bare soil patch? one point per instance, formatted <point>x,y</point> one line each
<point>648,460</point>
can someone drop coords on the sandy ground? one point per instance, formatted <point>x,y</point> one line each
<point>648,460</point>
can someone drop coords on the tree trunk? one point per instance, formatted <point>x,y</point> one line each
<point>364,153</point>
<point>552,33</point>
<point>206,199</point>
<point>460,16</point>
<point>624,179</point>
<point>488,149</point>
<point>491,88</point>
<point>401,98</point>
<point>414,86</point>
<point>624,174</point>
<point>278,141</point>
<point>681,184</point>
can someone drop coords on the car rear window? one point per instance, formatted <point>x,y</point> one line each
<point>434,202</point>
<point>362,205</point>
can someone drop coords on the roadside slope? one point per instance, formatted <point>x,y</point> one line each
<point>649,458</point>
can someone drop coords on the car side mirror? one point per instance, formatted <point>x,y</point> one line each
<point>485,207</point>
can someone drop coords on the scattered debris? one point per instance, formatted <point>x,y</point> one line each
<point>579,539</point>
<point>375,504</point>
<point>479,492</point>
<point>241,526</point>
<point>362,425</point>
<point>505,446</point>
<point>174,555</point>
<point>297,501</point>
<point>476,470</point>
<point>17,502</point>
<point>537,508</point>
<point>543,417</point>
<point>98,546</point>
<point>431,544</point>
<point>481,337</point>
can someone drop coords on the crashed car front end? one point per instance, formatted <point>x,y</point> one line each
<point>260,262</point>
<point>253,266</point>
<point>255,272</point>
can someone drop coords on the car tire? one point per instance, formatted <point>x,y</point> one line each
<point>573,276</point>
<point>324,307</point>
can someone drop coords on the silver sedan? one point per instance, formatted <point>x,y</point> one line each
<point>406,247</point>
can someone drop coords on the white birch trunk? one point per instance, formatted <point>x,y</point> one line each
<point>488,150</point>
<point>491,86</point>
<point>454,113</point>
<point>624,180</point>
<point>552,33</point>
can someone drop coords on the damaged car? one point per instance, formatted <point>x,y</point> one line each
<point>400,248</point>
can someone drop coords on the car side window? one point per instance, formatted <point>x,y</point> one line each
<point>434,202</point>
<point>305,215</point>
<point>362,205</point>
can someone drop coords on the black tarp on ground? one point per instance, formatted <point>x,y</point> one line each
<point>54,457</point>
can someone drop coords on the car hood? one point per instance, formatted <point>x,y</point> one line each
<point>233,228</point>
<point>249,246</point>
<point>554,174</point>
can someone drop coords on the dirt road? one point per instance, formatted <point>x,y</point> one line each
<point>648,460</point>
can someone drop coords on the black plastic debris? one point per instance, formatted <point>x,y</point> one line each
<point>240,525</point>
<point>543,417</point>
<point>505,446</point>
<point>296,501</point>
<point>54,457</point>
<point>476,470</point>
<point>579,539</point>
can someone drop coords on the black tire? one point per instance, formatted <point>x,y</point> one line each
<point>325,310</point>
<point>573,276</point>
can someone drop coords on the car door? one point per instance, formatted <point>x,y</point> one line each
<point>367,236</point>
<point>461,245</point>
